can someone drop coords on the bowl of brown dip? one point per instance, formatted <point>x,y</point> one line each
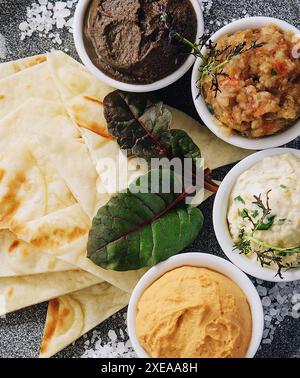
<point>128,44</point>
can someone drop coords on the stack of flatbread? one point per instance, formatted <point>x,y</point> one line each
<point>54,175</point>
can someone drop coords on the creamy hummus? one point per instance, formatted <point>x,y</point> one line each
<point>194,312</point>
<point>280,176</point>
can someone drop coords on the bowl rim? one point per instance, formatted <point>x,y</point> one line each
<point>79,15</point>
<point>204,260</point>
<point>220,224</point>
<point>272,141</point>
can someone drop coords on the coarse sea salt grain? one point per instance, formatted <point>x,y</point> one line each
<point>279,301</point>
<point>45,17</point>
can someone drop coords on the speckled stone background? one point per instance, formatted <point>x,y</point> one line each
<point>20,332</point>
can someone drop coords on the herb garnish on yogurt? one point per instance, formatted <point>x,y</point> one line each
<point>248,242</point>
<point>263,213</point>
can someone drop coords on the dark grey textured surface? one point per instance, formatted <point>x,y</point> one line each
<point>20,332</point>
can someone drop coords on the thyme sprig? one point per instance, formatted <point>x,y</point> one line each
<point>266,254</point>
<point>214,60</point>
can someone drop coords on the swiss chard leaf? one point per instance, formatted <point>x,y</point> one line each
<point>183,146</point>
<point>141,228</point>
<point>140,125</point>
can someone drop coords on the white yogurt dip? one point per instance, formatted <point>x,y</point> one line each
<point>274,180</point>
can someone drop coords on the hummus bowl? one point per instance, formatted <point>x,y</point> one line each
<point>79,19</point>
<point>235,138</point>
<point>221,210</point>
<point>200,260</point>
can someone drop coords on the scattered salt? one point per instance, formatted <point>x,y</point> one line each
<point>262,291</point>
<point>279,301</point>
<point>296,311</point>
<point>266,301</point>
<point>45,17</point>
<point>112,335</point>
<point>114,348</point>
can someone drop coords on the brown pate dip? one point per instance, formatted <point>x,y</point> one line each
<point>129,41</point>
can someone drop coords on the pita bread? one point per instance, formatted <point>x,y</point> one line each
<point>10,68</point>
<point>30,186</point>
<point>81,92</point>
<point>24,291</point>
<point>115,170</point>
<point>73,315</point>
<point>20,258</point>
<point>34,82</point>
<point>45,121</point>
<point>64,234</point>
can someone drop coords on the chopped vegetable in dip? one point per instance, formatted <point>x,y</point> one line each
<point>194,312</point>
<point>258,90</point>
<point>266,225</point>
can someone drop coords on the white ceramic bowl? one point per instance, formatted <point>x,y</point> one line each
<point>205,261</point>
<point>253,144</point>
<point>80,12</point>
<point>221,225</point>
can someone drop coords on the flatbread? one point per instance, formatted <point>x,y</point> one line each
<point>30,186</point>
<point>24,291</point>
<point>114,168</point>
<point>20,258</point>
<point>15,66</point>
<point>64,234</point>
<point>34,82</point>
<point>52,127</point>
<point>81,92</point>
<point>73,315</point>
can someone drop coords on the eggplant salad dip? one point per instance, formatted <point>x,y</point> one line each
<point>205,315</point>
<point>258,91</point>
<point>128,39</point>
<point>264,212</point>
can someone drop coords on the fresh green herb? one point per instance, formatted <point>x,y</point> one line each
<point>282,219</point>
<point>266,226</point>
<point>214,60</point>
<point>247,242</point>
<point>210,109</point>
<point>239,199</point>
<point>283,186</point>
<point>266,211</point>
<point>244,213</point>
<point>138,228</point>
<point>273,72</point>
